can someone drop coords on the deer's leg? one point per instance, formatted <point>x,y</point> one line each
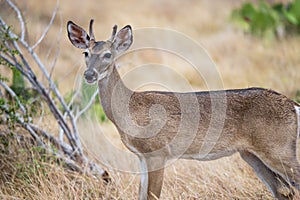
<point>289,169</point>
<point>152,173</point>
<point>279,187</point>
<point>156,178</point>
<point>283,162</point>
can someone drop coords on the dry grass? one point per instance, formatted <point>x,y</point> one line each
<point>29,173</point>
<point>242,61</point>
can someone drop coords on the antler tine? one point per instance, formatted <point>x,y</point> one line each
<point>92,37</point>
<point>113,34</point>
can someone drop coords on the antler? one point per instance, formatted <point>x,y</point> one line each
<point>113,34</point>
<point>92,37</point>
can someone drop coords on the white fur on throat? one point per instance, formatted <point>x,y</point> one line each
<point>297,109</point>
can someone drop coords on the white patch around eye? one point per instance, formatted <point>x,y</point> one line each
<point>107,55</point>
<point>86,54</point>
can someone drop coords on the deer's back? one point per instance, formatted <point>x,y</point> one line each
<point>243,118</point>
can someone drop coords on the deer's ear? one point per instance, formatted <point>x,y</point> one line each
<point>123,39</point>
<point>78,36</point>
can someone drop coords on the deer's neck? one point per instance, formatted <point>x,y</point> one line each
<point>113,92</point>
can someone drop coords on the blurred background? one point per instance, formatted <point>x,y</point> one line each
<point>243,57</point>
<point>242,60</point>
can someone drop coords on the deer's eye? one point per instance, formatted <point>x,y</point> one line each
<point>86,54</point>
<point>107,55</point>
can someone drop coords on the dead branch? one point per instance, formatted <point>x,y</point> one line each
<point>46,30</point>
<point>71,150</point>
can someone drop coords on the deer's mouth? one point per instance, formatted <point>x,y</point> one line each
<point>90,76</point>
<point>91,80</point>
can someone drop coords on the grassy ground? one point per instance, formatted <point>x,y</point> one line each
<point>241,60</point>
<point>28,173</point>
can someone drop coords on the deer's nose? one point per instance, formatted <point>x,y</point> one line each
<point>89,74</point>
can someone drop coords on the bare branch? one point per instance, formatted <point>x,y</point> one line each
<point>67,149</point>
<point>57,93</point>
<point>48,27</point>
<point>71,150</point>
<point>51,83</point>
<point>7,60</point>
<point>52,66</point>
<point>20,17</point>
<point>32,78</point>
<point>61,136</point>
<point>89,104</point>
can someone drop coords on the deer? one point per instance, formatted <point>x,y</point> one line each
<point>157,126</point>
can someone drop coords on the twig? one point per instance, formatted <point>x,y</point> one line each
<point>67,149</point>
<point>89,104</point>
<point>20,17</point>
<point>47,28</point>
<point>71,151</point>
<point>52,86</point>
<point>58,96</point>
<point>32,78</point>
<point>53,64</point>
<point>74,96</point>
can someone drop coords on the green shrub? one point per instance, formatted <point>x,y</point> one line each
<point>266,20</point>
<point>95,111</point>
<point>28,96</point>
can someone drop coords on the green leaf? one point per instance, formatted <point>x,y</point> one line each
<point>248,11</point>
<point>98,112</point>
<point>291,18</point>
<point>18,83</point>
<point>278,7</point>
<point>295,9</point>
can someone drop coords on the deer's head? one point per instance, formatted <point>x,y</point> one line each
<point>99,55</point>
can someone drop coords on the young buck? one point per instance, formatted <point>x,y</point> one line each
<point>262,125</point>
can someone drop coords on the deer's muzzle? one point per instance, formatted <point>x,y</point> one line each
<point>90,76</point>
